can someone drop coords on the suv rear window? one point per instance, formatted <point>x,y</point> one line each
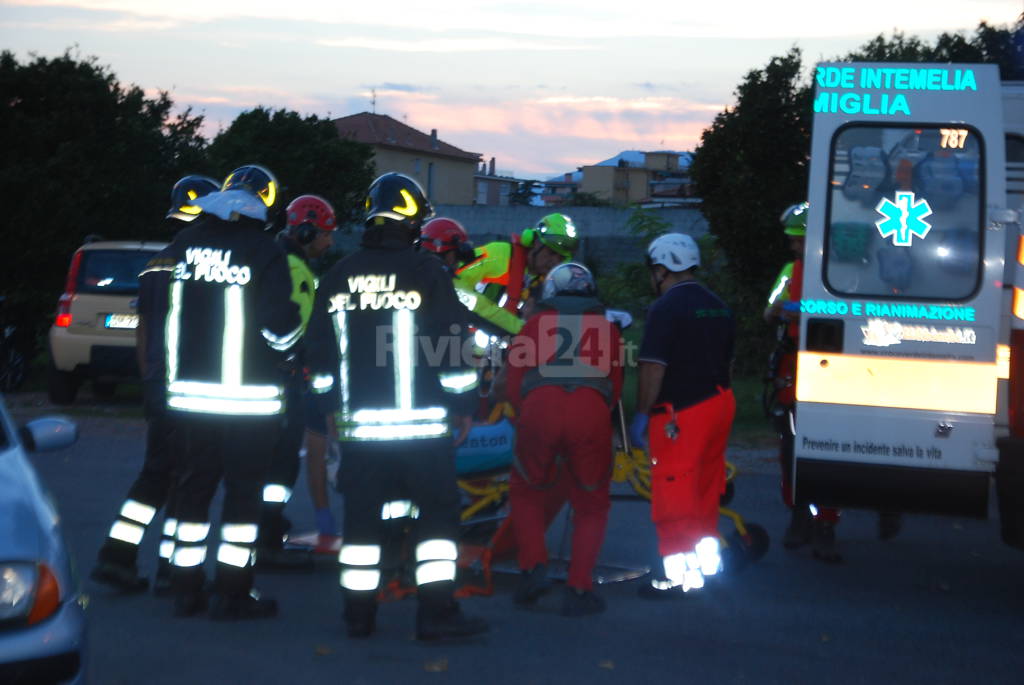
<point>114,272</point>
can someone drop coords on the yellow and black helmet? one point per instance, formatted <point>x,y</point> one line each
<point>396,198</point>
<point>186,191</point>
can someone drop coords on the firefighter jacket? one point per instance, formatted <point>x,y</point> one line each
<point>568,343</point>
<point>230,320</point>
<point>386,346</point>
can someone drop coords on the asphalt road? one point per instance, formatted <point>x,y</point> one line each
<point>942,603</point>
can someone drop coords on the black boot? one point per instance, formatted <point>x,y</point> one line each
<point>190,603</point>
<point>577,602</point>
<point>242,607</point>
<point>123,578</point>
<point>823,542</point>
<point>889,524</point>
<point>532,586</point>
<point>162,580</point>
<point>445,622</point>
<point>360,614</point>
<point>798,532</point>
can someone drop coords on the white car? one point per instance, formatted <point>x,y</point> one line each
<point>42,613</point>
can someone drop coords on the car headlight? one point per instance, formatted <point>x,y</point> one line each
<point>27,591</point>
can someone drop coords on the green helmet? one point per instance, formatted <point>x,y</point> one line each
<point>794,220</point>
<point>554,231</point>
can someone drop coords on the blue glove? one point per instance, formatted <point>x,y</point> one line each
<point>638,430</point>
<point>325,522</point>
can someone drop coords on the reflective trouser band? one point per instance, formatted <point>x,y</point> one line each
<point>435,571</point>
<point>170,527</point>
<point>436,559</point>
<point>366,578</point>
<point>166,549</point>
<point>684,569</point>
<point>437,550</point>
<point>243,533</point>
<point>126,531</point>
<point>359,555</point>
<point>188,531</point>
<point>399,508</point>
<point>188,556</point>
<point>137,512</point>
<point>235,555</point>
<point>709,556</point>
<point>360,579</point>
<point>276,494</point>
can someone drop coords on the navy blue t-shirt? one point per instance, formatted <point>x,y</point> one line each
<point>691,332</point>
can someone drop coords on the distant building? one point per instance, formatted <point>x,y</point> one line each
<point>496,189</point>
<point>445,172</point>
<point>633,177</point>
<point>558,190</point>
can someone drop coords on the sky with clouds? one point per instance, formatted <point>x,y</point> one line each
<point>542,87</point>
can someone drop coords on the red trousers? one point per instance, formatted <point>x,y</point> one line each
<point>688,470</point>
<point>562,436</point>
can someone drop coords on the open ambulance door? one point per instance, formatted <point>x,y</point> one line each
<point>901,390</point>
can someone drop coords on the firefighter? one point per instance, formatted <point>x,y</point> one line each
<point>379,344</point>
<point>510,273</point>
<point>116,563</point>
<point>309,225</point>
<point>564,376</point>
<point>229,326</point>
<point>684,412</point>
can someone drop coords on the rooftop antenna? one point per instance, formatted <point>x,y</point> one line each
<point>373,100</point>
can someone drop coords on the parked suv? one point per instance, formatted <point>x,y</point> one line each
<point>93,333</point>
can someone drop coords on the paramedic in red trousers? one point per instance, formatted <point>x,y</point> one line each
<point>684,412</point>
<point>230,323</point>
<point>116,563</point>
<point>564,376</point>
<point>784,310</point>
<point>808,523</point>
<point>380,315</point>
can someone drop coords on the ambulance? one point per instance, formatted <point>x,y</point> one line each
<point>910,372</point>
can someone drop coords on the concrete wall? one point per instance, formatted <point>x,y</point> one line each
<point>604,239</point>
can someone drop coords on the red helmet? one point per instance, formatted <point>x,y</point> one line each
<point>442,235</point>
<point>311,209</point>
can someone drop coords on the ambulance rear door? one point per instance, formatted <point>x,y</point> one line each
<point>903,332</point>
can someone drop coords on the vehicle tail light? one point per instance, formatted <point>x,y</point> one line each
<point>47,597</point>
<point>63,319</point>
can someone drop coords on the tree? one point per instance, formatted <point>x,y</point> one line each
<point>305,153</point>
<point>82,154</point>
<point>524,193</point>
<point>750,165</point>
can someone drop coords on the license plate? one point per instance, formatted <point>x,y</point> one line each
<point>122,321</point>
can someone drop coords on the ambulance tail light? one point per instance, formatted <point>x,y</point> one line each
<point>1017,383</point>
<point>63,319</point>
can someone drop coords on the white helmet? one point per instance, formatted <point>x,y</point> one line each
<point>674,251</point>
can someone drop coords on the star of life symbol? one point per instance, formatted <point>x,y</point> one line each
<point>903,219</point>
